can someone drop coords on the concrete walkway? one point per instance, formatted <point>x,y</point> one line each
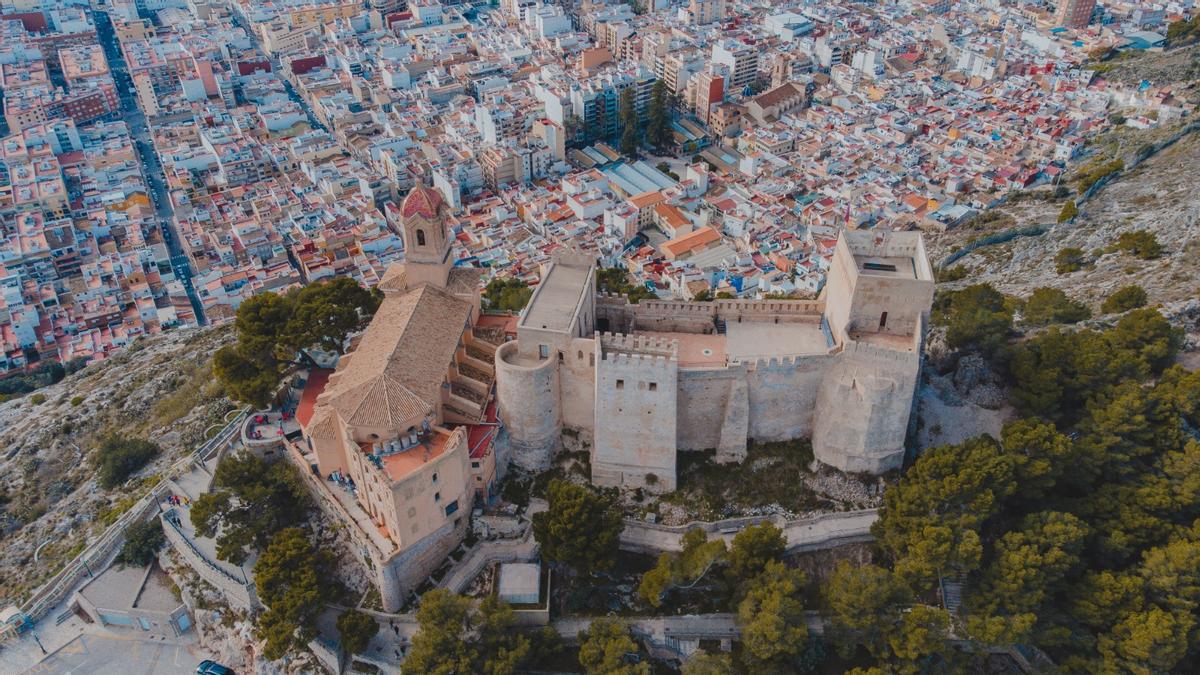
<point>485,553</point>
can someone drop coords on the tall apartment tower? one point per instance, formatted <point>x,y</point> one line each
<point>1074,13</point>
<point>740,58</point>
<point>700,12</point>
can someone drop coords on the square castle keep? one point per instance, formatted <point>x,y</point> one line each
<point>643,382</point>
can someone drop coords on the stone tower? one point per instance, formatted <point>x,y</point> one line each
<point>426,240</point>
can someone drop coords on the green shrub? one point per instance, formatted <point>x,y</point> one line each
<point>956,273</point>
<point>1125,299</point>
<point>1069,260</point>
<point>118,458</point>
<point>37,399</point>
<point>1069,211</point>
<point>142,541</point>
<point>77,401</point>
<point>1142,244</point>
<point>1051,305</point>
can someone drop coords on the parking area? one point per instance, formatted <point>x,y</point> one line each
<point>111,655</point>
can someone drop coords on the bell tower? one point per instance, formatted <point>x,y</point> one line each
<point>426,241</point>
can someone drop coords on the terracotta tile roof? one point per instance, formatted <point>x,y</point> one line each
<point>411,340</point>
<point>464,281</point>
<point>381,402</point>
<point>691,241</point>
<point>421,200</point>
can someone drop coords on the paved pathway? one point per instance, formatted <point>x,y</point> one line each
<point>99,652</point>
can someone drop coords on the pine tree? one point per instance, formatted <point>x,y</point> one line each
<point>629,124</point>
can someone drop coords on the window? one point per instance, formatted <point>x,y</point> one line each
<point>452,508</point>
<point>543,351</point>
<point>435,479</point>
<point>420,237</point>
<point>653,386</point>
<point>620,384</point>
<point>437,496</point>
<point>560,356</point>
<point>474,465</point>
<point>882,320</point>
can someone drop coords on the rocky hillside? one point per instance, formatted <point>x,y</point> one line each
<point>160,389</point>
<point>1159,195</point>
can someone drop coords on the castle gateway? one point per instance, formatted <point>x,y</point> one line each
<point>645,381</point>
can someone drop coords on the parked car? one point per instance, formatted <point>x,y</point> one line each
<point>210,667</point>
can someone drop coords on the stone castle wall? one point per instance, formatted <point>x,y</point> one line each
<point>782,396</point>
<point>577,385</point>
<point>713,411</point>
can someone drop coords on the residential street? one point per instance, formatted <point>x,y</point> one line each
<point>151,167</point>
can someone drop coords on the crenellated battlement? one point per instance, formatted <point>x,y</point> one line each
<point>857,349</point>
<point>780,363</point>
<point>620,342</point>
<point>640,362</point>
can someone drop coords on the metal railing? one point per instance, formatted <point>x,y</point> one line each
<point>53,591</point>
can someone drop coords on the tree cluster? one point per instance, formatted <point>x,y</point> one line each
<point>274,329</point>
<point>1051,305</point>
<point>1095,171</point>
<point>616,280</point>
<point>977,318</point>
<point>1077,531</point>
<point>1184,31</point>
<point>687,568</point>
<point>250,501</point>
<point>1056,374</point>
<point>1070,259</point>
<point>119,457</point>
<point>507,294</point>
<point>293,579</point>
<point>581,527</point>
<point>1124,299</point>
<point>356,629</point>
<point>765,595</point>
<point>142,542</point>
<point>1141,244</point>
<point>42,375</point>
<point>1069,211</point>
<point>456,636</point>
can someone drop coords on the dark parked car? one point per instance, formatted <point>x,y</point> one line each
<point>210,667</point>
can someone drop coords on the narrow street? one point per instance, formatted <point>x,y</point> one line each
<point>151,168</point>
<point>240,21</point>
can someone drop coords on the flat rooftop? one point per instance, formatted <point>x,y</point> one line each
<point>555,299</point>
<point>752,340</point>
<point>897,267</point>
<point>695,349</point>
<point>405,462</point>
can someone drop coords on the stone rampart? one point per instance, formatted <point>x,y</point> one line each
<point>827,530</point>
<point>782,396</point>
<point>713,411</point>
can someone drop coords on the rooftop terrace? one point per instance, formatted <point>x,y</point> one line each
<point>753,340</point>
<point>897,267</point>
<point>554,301</point>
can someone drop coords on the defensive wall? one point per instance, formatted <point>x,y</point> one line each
<point>827,530</point>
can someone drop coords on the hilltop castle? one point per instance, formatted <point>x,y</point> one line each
<point>643,382</point>
<point>398,440</point>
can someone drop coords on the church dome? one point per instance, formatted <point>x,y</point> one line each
<point>421,200</point>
